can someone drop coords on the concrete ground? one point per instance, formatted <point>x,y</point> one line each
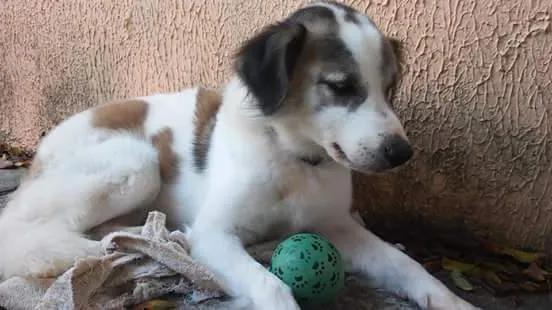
<point>358,295</point>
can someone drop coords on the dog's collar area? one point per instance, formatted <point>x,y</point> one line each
<point>311,160</point>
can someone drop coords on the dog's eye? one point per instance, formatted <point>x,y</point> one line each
<point>339,88</point>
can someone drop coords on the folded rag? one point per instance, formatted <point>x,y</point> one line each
<point>137,268</point>
<point>134,269</point>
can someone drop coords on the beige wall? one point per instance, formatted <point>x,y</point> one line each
<point>476,96</point>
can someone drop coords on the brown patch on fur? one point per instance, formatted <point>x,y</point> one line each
<point>298,81</point>
<point>392,57</point>
<point>127,115</point>
<point>207,106</point>
<point>168,160</point>
<point>322,23</point>
<point>398,49</point>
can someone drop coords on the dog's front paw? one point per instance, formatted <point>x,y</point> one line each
<point>448,302</point>
<point>434,295</point>
<point>275,296</point>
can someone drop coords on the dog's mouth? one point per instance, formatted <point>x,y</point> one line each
<point>336,152</point>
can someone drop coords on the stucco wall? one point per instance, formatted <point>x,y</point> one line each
<point>476,95</point>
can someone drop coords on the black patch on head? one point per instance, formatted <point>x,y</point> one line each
<point>336,57</point>
<point>350,13</point>
<point>314,14</point>
<point>266,63</point>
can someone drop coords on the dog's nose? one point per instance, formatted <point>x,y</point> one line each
<point>397,150</point>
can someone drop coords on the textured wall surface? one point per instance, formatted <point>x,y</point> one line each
<point>476,94</point>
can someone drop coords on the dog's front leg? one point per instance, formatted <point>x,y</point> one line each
<point>215,242</point>
<point>390,268</point>
<point>239,273</point>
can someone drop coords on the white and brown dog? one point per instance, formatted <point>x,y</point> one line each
<point>269,155</point>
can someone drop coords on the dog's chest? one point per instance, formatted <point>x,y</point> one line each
<point>295,197</point>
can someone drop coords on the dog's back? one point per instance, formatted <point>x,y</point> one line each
<point>98,165</point>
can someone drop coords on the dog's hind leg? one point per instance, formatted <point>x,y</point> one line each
<point>41,229</point>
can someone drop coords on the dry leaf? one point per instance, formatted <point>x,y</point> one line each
<point>535,272</point>
<point>453,265</point>
<point>529,286</point>
<point>156,304</point>
<point>25,163</point>
<point>4,164</point>
<point>491,276</point>
<point>460,281</point>
<point>502,267</point>
<point>432,265</point>
<point>520,256</point>
<point>470,270</point>
<point>488,275</point>
<point>15,150</point>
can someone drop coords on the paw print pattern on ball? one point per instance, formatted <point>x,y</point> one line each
<point>311,266</point>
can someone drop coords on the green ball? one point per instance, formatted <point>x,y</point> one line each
<point>311,266</point>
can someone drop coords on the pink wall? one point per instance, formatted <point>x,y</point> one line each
<point>476,95</point>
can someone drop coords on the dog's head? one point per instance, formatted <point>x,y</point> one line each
<point>324,77</point>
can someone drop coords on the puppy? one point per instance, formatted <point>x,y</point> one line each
<point>268,155</point>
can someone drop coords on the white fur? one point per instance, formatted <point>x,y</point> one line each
<point>252,190</point>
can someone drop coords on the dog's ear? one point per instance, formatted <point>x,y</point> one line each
<point>397,46</point>
<point>266,63</point>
